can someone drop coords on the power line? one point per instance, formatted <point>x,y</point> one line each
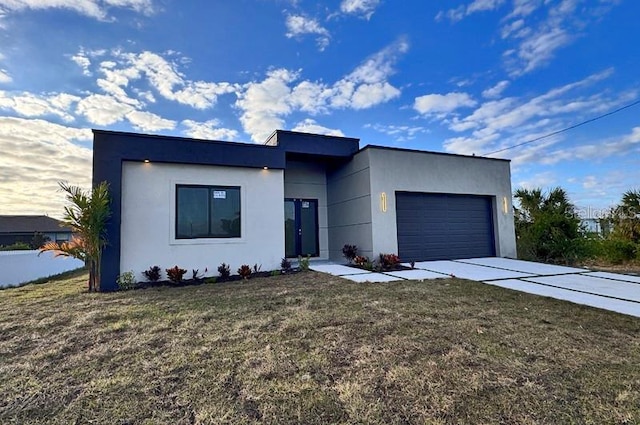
<point>637,102</point>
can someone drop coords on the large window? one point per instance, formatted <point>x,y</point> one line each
<point>207,212</point>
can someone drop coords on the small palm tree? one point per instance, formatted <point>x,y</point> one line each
<point>547,226</point>
<point>626,217</point>
<point>87,215</point>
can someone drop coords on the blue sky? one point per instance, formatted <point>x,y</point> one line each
<point>467,76</point>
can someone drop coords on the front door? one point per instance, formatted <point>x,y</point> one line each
<point>301,227</point>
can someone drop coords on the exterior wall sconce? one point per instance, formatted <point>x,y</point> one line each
<point>383,202</point>
<point>146,161</point>
<point>505,205</point>
<point>265,168</point>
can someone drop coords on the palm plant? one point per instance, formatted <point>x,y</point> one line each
<point>627,217</point>
<point>87,215</point>
<point>546,224</point>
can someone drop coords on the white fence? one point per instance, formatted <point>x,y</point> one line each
<point>24,266</point>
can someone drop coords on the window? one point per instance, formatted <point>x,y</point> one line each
<point>207,212</point>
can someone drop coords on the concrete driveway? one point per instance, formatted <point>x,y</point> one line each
<point>610,291</point>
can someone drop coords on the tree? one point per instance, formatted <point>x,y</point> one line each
<point>38,240</point>
<point>626,217</point>
<point>547,226</point>
<point>87,215</point>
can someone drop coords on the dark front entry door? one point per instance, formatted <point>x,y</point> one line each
<point>301,227</point>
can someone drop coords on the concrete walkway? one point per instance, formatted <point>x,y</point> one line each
<point>609,291</point>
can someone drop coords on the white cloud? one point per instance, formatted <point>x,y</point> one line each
<point>538,40</point>
<point>171,84</point>
<point>83,62</point>
<point>535,29</point>
<point>496,91</point>
<point>31,105</point>
<point>368,95</point>
<point>628,144</point>
<point>483,5</point>
<point>147,121</point>
<point>367,85</point>
<point>496,124</point>
<point>543,180</point>
<point>5,77</point>
<point>539,48</point>
<point>103,110</point>
<point>458,13</point>
<point>524,8</point>
<point>141,6</point>
<point>208,130</point>
<point>590,182</point>
<point>264,104</point>
<point>442,103</point>
<point>36,154</point>
<point>364,8</point>
<point>515,29</point>
<point>310,126</point>
<point>399,133</point>
<point>92,8</point>
<point>122,69</point>
<point>510,113</point>
<point>298,25</point>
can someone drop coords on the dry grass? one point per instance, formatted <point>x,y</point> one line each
<point>313,349</point>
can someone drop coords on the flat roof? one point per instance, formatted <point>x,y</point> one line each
<point>390,148</point>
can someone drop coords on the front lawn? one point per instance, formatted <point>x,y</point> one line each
<point>312,349</point>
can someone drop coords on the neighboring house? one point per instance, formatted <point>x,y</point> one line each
<point>592,225</point>
<point>196,203</point>
<point>22,228</point>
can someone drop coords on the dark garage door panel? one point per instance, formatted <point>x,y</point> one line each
<point>442,226</point>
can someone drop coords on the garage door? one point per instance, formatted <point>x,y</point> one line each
<point>434,226</point>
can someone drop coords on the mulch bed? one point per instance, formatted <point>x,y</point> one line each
<point>396,268</point>
<point>210,280</point>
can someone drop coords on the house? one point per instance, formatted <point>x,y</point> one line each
<point>196,203</point>
<point>23,228</point>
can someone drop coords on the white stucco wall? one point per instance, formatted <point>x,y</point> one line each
<point>397,170</point>
<point>307,180</point>
<point>24,266</point>
<point>148,218</point>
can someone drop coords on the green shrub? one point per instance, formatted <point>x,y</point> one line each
<point>617,251</point>
<point>303,263</point>
<point>126,281</point>
<point>547,226</point>
<point>38,240</point>
<point>18,246</point>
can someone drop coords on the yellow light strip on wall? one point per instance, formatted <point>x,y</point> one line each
<point>505,205</point>
<point>383,202</point>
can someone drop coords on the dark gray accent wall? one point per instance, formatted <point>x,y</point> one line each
<point>349,207</point>
<point>314,144</point>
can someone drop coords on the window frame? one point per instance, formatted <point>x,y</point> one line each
<point>211,188</point>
